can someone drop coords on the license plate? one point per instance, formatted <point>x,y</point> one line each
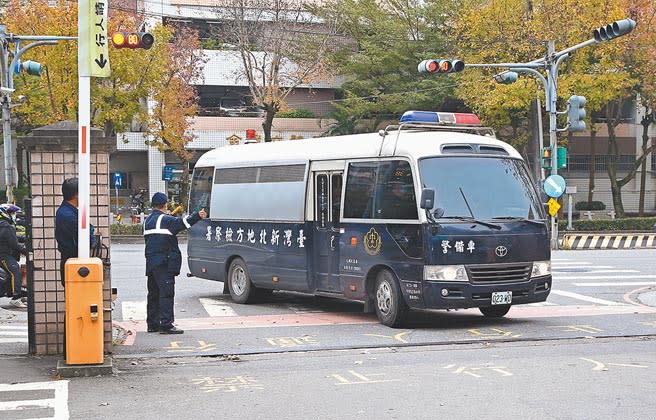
<point>501,298</point>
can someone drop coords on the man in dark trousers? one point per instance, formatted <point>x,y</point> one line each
<point>66,224</point>
<point>10,251</point>
<point>163,262</point>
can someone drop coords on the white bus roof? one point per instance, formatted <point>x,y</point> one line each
<point>411,144</point>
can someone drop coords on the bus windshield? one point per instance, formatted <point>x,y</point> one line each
<point>486,188</point>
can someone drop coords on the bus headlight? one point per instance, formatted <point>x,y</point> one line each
<point>445,272</point>
<point>541,268</point>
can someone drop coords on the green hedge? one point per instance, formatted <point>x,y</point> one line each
<point>126,229</point>
<point>296,113</point>
<point>592,205</point>
<point>634,223</point>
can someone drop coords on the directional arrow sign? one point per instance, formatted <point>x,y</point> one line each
<point>93,51</point>
<point>555,186</point>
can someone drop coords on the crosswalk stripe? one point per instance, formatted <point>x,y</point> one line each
<point>134,310</point>
<point>58,402</point>
<point>602,272</point>
<point>557,263</point>
<point>11,327</point>
<point>13,340</point>
<point>585,298</point>
<point>215,307</point>
<point>13,333</point>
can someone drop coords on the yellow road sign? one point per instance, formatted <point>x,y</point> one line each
<point>93,50</point>
<point>553,207</point>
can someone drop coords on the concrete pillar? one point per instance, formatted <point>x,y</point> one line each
<point>52,157</point>
<point>156,161</point>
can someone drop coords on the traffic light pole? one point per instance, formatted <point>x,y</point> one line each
<point>7,69</point>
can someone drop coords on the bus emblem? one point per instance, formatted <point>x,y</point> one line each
<point>372,242</point>
<point>501,251</point>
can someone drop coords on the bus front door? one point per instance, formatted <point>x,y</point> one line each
<point>327,200</point>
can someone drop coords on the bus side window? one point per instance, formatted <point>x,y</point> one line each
<point>336,196</point>
<point>395,191</point>
<point>358,199</point>
<point>321,203</point>
<point>201,189</point>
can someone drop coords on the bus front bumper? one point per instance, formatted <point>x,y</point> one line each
<point>457,295</point>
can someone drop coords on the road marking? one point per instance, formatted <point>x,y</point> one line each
<point>134,310</point>
<point>13,334</point>
<point>497,333</point>
<point>616,284</point>
<point>360,379</point>
<point>286,342</point>
<point>398,337</point>
<point>234,384</point>
<point>571,263</point>
<point>59,402</point>
<point>579,328</point>
<point>216,307</point>
<point>475,371</point>
<point>542,304</point>
<point>599,366</point>
<point>585,298</point>
<point>636,276</point>
<point>570,270</point>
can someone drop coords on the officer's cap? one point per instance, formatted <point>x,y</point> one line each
<point>159,199</point>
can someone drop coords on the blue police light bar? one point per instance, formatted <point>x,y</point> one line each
<point>451,118</point>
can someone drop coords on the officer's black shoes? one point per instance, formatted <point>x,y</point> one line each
<point>153,329</point>
<point>172,331</point>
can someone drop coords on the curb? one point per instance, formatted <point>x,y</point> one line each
<point>609,240</point>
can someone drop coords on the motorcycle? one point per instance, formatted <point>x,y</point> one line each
<point>137,202</point>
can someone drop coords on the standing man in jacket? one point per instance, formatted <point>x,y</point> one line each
<point>10,252</point>
<point>163,262</point>
<point>66,224</point>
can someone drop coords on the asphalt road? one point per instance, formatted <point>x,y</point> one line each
<point>588,353</point>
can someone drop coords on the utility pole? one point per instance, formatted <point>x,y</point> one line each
<point>550,65</point>
<point>7,70</point>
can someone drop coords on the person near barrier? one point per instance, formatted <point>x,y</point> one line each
<point>66,224</point>
<point>163,262</point>
<point>10,252</point>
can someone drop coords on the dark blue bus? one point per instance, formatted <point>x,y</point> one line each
<point>421,215</point>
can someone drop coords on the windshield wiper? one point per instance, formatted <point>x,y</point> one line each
<point>520,219</point>
<point>471,219</point>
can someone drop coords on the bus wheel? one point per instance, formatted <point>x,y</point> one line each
<point>494,311</point>
<point>239,282</point>
<point>391,309</point>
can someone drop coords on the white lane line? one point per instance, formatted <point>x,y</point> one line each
<point>616,284</point>
<point>542,304</point>
<point>585,298</point>
<point>215,307</point>
<point>59,403</point>
<point>134,310</point>
<point>633,277</point>
<point>599,271</point>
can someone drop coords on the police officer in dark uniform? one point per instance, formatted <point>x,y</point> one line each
<point>163,262</point>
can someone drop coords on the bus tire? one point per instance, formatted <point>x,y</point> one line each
<point>494,311</point>
<point>390,306</point>
<point>239,282</point>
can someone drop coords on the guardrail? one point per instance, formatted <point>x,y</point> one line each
<point>608,240</point>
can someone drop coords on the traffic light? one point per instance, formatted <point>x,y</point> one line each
<point>506,78</point>
<point>143,40</point>
<point>439,65</point>
<point>576,113</point>
<point>561,158</point>
<point>613,30</point>
<point>545,162</point>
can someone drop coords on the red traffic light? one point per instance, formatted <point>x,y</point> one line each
<point>143,40</point>
<point>441,66</point>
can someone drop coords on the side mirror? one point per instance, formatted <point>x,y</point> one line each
<point>427,199</point>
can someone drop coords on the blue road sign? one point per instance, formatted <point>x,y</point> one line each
<point>118,180</point>
<point>555,186</point>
